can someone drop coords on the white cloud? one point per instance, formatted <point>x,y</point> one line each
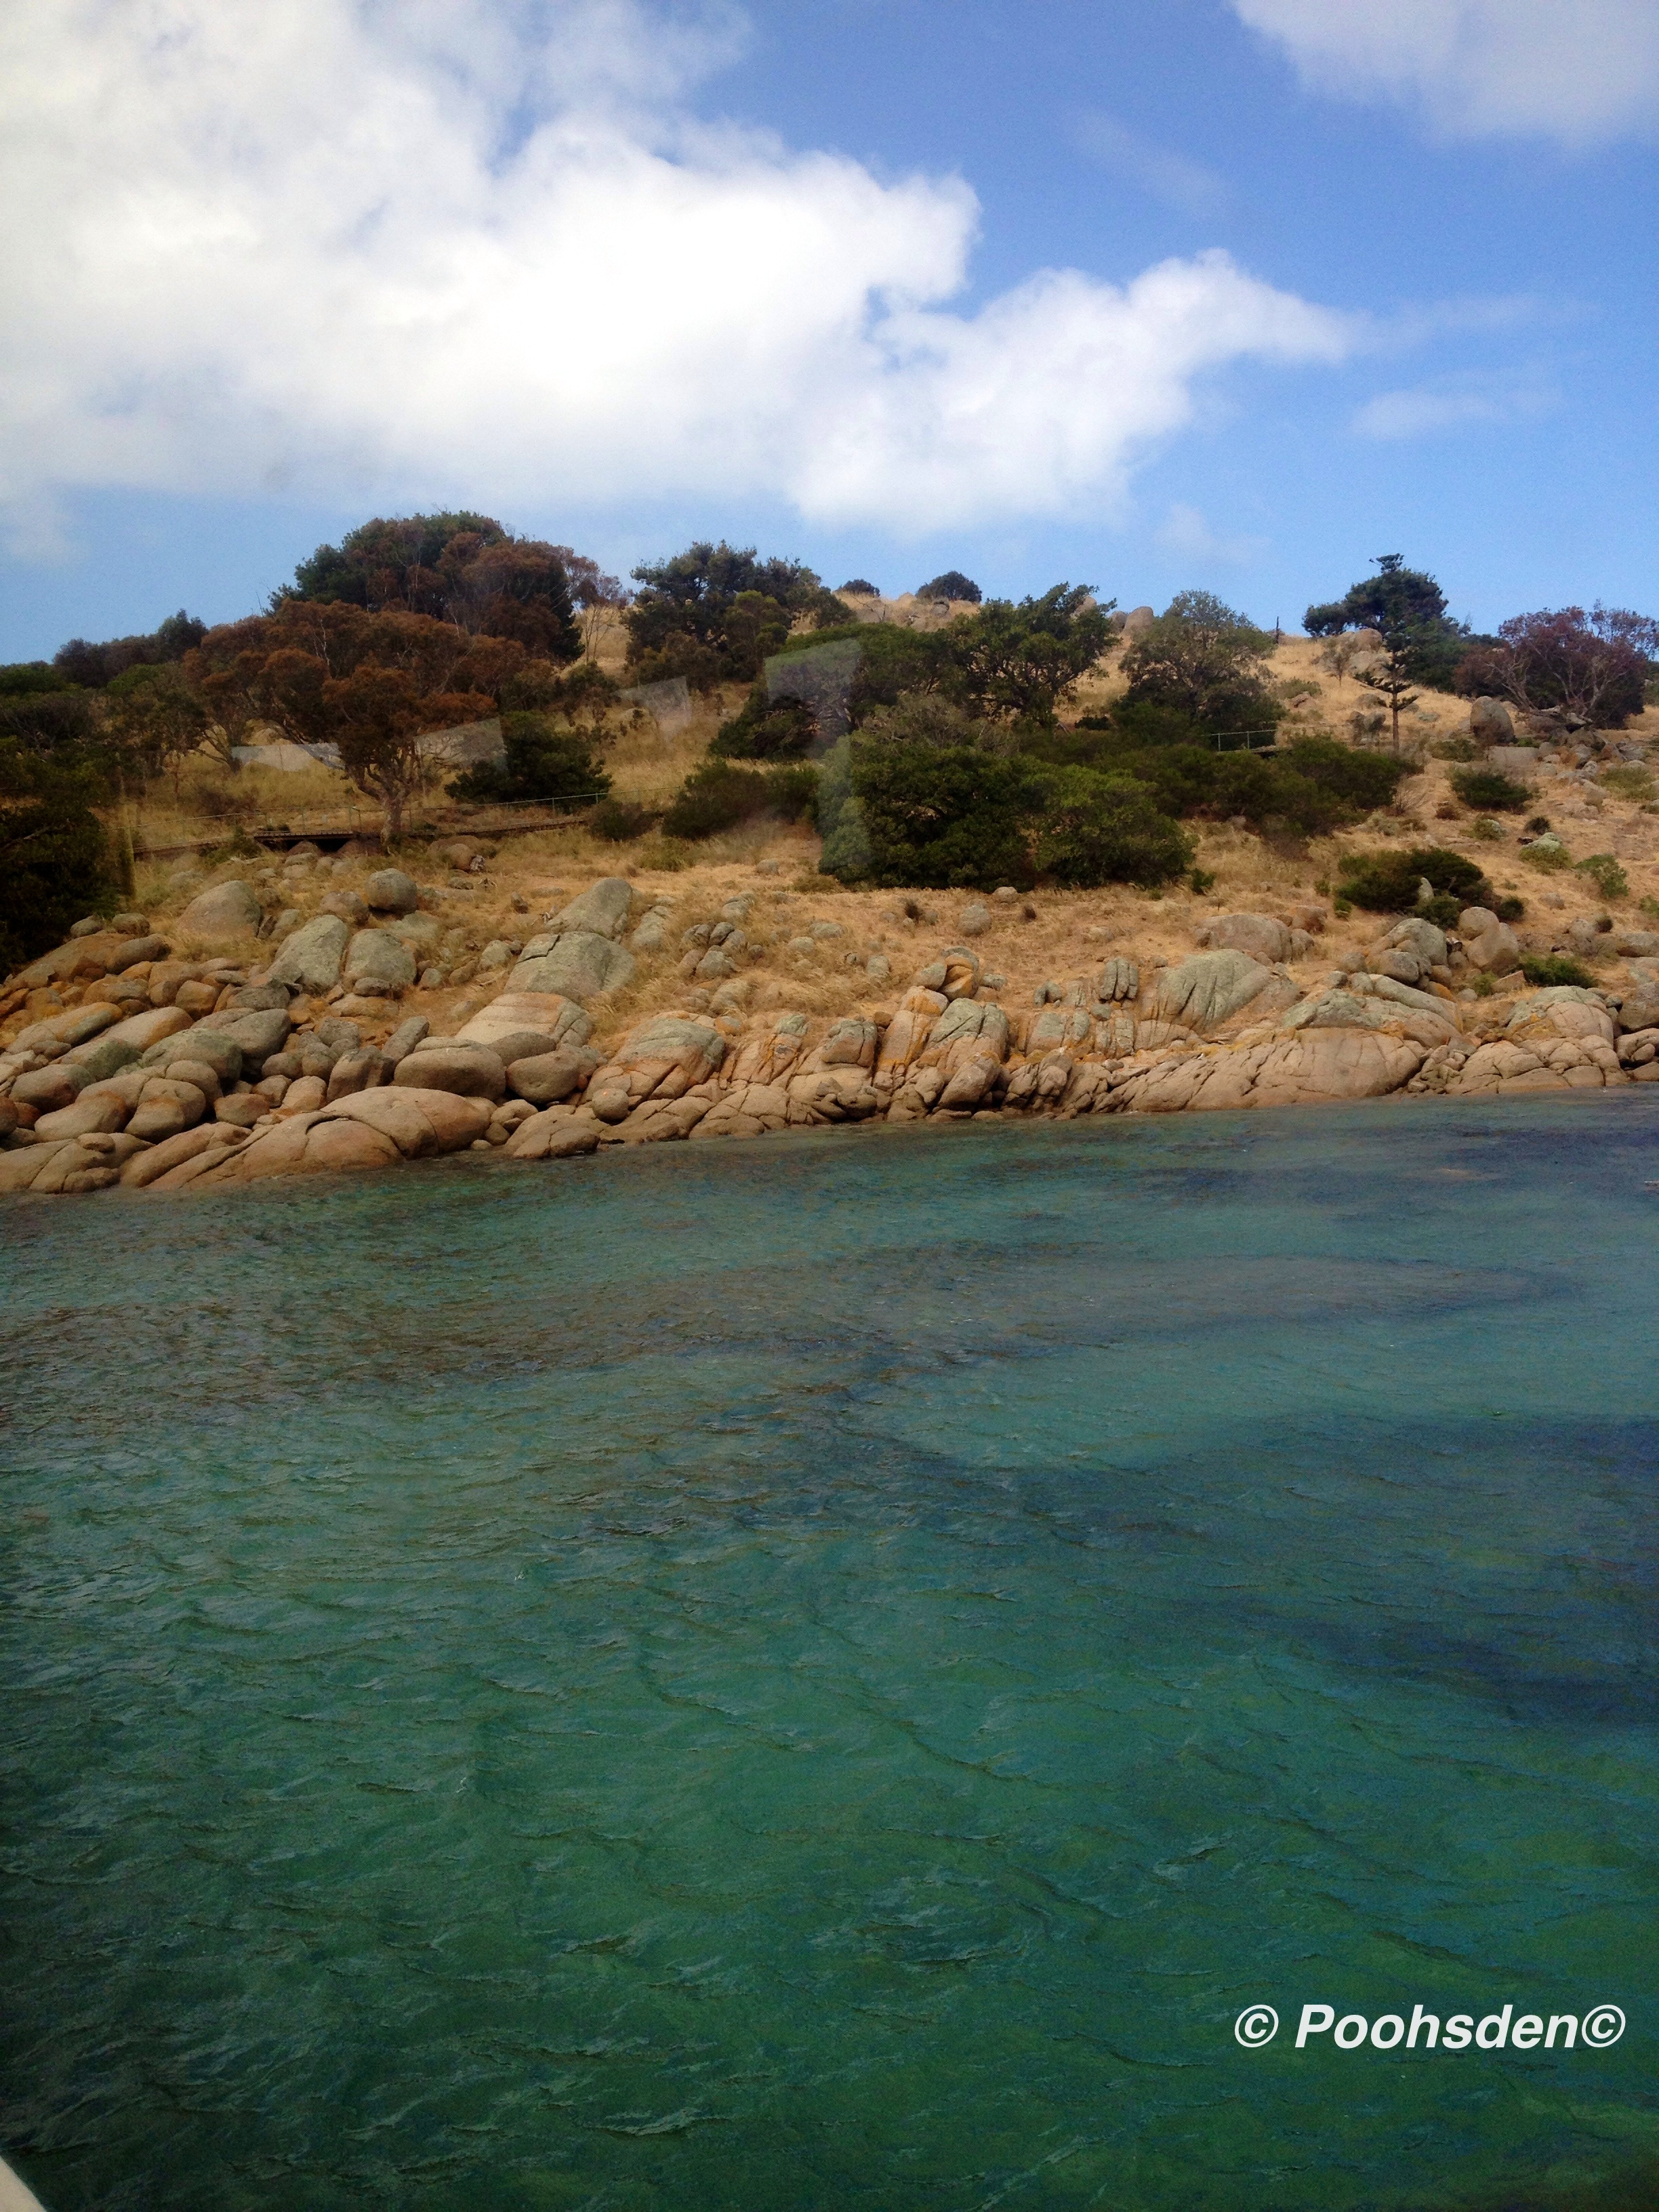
<point>1578,73</point>
<point>481,249</point>
<point>1477,400</point>
<point>1186,531</point>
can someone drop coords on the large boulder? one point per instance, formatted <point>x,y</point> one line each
<point>833,1094</point>
<point>1491,724</point>
<point>664,1057</point>
<point>850,1042</point>
<point>1316,1065</point>
<point>1260,935</point>
<point>421,932</point>
<point>546,1079</point>
<point>558,1132</point>
<point>955,975</point>
<point>1209,989</point>
<point>86,1117</point>
<point>768,1057</point>
<point>1562,1010</point>
<point>965,1032</point>
<point>1419,939</point>
<point>96,1062</point>
<point>560,1020</point>
<point>420,1122</point>
<point>603,910</point>
<point>378,964</point>
<point>256,1033</point>
<point>573,963</point>
<point>404,1038</point>
<point>747,1109</point>
<point>48,1090</point>
<point>55,1033</point>
<point>1488,944</point>
<point>389,891</point>
<point>465,1071</point>
<point>907,1035</point>
<point>230,909</point>
<point>139,1032</point>
<point>310,960</point>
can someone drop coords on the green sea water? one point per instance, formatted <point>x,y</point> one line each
<point>828,1673</point>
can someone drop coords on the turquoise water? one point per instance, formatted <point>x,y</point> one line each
<point>827,1672</point>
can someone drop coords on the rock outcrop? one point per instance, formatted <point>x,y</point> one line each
<point>186,1072</point>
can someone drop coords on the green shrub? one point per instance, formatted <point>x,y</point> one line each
<point>1146,723</point>
<point>717,796</point>
<point>1362,780</point>
<point>1201,880</point>
<point>55,864</point>
<point>1489,832</point>
<point>792,790</point>
<point>619,821</point>
<point>1546,969</point>
<point>1605,872</point>
<point>1387,882</point>
<point>1101,829</point>
<point>1490,790</point>
<point>1649,906</point>
<point>1508,909</point>
<point>1547,853</point>
<point>1455,749</point>
<point>761,731</point>
<point>936,817</point>
<point>543,762</point>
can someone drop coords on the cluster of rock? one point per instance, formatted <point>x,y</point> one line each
<point>171,1072</point>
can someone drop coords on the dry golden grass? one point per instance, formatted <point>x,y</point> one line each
<point>1067,937</point>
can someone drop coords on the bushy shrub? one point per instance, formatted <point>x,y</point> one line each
<point>714,612</point>
<point>1490,832</point>
<point>716,797</point>
<point>761,731</point>
<point>54,862</point>
<point>1454,749</point>
<point>952,585</point>
<point>1605,872</point>
<point>1544,969</point>
<point>1101,829</point>
<point>1387,882</point>
<point>936,817</point>
<point>1363,782</point>
<point>1204,659</point>
<point>619,821</point>
<point>543,762</point>
<point>1490,789</point>
<point>1547,853</point>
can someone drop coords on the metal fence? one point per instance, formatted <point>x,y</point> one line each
<point>340,824</point>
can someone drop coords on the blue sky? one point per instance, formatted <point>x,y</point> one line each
<point>625,273</point>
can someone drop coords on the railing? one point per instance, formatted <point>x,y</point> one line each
<point>1270,739</point>
<point>341,823</point>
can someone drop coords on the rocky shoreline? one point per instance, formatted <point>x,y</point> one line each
<point>165,1074</point>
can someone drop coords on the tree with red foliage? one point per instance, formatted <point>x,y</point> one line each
<point>377,717</point>
<point>1593,667</point>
